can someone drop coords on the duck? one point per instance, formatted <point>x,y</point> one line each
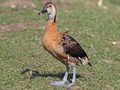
<point>62,46</point>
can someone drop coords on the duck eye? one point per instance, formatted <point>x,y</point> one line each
<point>50,6</point>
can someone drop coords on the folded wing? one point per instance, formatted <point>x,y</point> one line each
<point>73,48</point>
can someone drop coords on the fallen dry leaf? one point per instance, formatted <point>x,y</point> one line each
<point>100,2</point>
<point>105,7</point>
<point>113,42</point>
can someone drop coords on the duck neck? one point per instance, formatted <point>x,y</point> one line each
<point>51,28</point>
<point>52,16</point>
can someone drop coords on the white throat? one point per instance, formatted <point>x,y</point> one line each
<point>52,15</point>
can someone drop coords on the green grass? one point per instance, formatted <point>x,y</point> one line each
<point>22,49</point>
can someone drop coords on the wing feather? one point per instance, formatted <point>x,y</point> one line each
<point>72,47</point>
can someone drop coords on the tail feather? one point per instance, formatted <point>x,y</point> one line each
<point>89,64</point>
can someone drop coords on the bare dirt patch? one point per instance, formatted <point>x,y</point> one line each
<point>56,2</point>
<point>74,88</point>
<point>106,61</point>
<point>109,87</point>
<point>77,87</point>
<point>37,26</point>
<point>118,43</point>
<point>13,26</point>
<point>115,43</point>
<point>91,2</point>
<point>87,73</point>
<point>64,4</point>
<point>45,1</point>
<point>14,3</point>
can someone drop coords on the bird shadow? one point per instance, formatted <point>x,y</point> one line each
<point>59,74</point>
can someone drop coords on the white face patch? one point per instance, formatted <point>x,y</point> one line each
<point>48,10</point>
<point>51,13</point>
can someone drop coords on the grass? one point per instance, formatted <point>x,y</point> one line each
<point>22,49</point>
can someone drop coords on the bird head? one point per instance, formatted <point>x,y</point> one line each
<point>50,9</point>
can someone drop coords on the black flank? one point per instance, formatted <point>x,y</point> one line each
<point>73,48</point>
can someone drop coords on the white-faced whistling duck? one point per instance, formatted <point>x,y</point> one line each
<point>62,46</point>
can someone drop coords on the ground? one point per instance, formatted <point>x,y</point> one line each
<point>24,64</point>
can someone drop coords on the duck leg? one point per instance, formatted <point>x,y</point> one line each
<point>56,83</point>
<point>73,79</point>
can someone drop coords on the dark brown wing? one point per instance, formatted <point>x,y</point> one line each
<point>73,48</point>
